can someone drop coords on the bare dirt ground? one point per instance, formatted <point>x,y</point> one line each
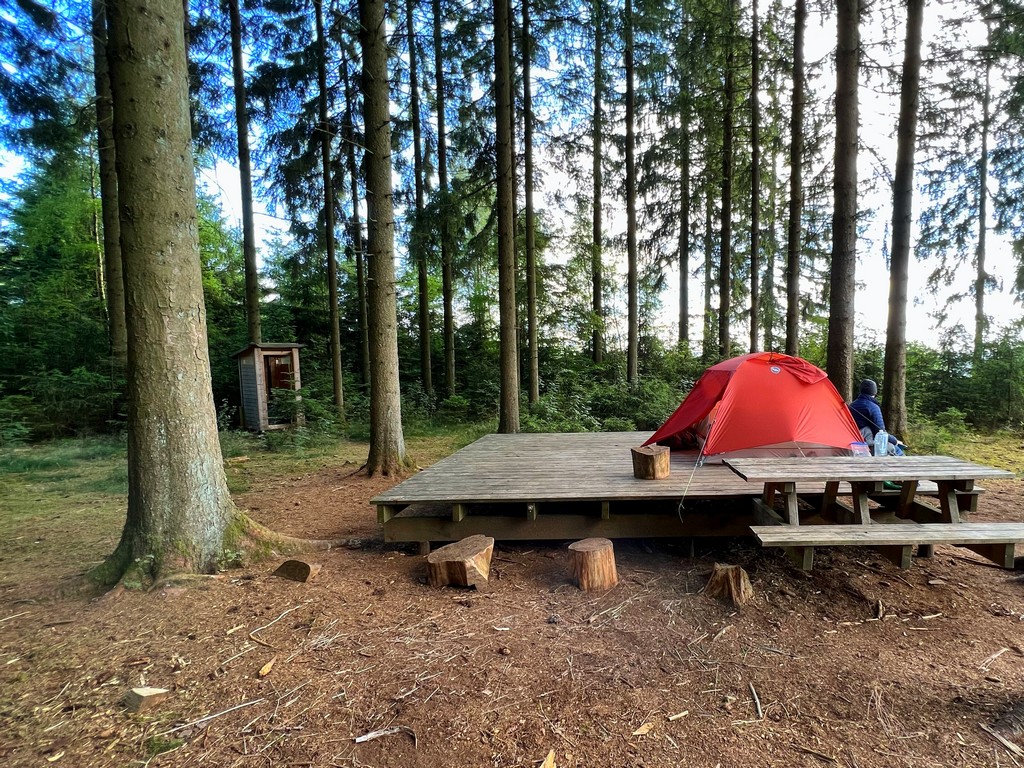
<point>856,664</point>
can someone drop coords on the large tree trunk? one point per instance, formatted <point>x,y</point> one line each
<point>328,184</point>
<point>844,217</point>
<point>508,416</point>
<point>179,508</point>
<point>113,277</point>
<point>632,287</point>
<point>755,182</point>
<point>447,276</point>
<point>895,376</point>
<point>419,250</point>
<point>725,249</point>
<point>252,282</point>
<point>387,442</point>
<point>796,184</point>
<point>596,266</point>
<point>531,218</point>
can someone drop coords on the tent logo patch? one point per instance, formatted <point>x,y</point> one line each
<point>775,369</point>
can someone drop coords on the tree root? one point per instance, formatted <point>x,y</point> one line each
<point>271,542</point>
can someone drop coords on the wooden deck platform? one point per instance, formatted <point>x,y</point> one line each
<point>563,486</point>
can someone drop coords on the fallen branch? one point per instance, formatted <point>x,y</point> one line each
<point>386,732</point>
<point>1012,748</point>
<point>757,702</point>
<point>204,720</point>
<point>265,626</point>
<point>814,753</point>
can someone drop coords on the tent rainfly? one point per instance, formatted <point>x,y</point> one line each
<point>762,404</point>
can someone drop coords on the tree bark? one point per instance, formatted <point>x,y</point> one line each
<point>684,226</point>
<point>387,441</point>
<point>252,281</point>
<point>356,229</point>
<point>593,564</point>
<point>508,416</point>
<point>596,266</point>
<point>419,251</point>
<point>981,277</point>
<point>796,184</point>
<point>895,376</point>
<point>329,202</point>
<point>708,341</point>
<point>755,180</point>
<point>113,276</point>
<point>531,217</point>
<point>632,287</point>
<point>179,508</point>
<point>725,248</point>
<point>842,274</point>
<point>447,271</point>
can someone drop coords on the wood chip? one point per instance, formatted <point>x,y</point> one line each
<point>678,715</point>
<point>549,761</point>
<point>144,699</point>
<point>644,729</point>
<point>266,668</point>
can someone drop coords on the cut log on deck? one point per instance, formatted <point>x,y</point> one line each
<point>651,462</point>
<point>730,582</point>
<point>466,563</point>
<point>593,564</point>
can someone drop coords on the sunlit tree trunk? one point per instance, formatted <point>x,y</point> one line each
<point>356,228</point>
<point>328,184</point>
<point>796,184</point>
<point>508,414</point>
<point>447,276</point>
<point>252,282</point>
<point>179,508</point>
<point>844,216</point>
<point>708,342</point>
<point>596,259</point>
<point>387,441</point>
<point>632,287</point>
<point>755,182</point>
<point>684,229</point>
<point>416,239</point>
<point>531,218</point>
<point>725,248</point>
<point>894,380</point>
<point>113,277</point>
<point>981,277</point>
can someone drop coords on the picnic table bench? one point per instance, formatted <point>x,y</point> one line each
<point>918,523</point>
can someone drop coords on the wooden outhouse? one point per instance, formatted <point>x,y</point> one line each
<point>262,370</point>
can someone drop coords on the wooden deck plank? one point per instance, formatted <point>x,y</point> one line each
<point>597,466</point>
<point>888,534</point>
<point>862,469</point>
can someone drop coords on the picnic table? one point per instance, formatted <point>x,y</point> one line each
<point>783,476</point>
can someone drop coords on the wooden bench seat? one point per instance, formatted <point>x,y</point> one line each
<point>994,541</point>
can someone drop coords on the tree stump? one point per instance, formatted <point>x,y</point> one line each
<point>731,582</point>
<point>593,564</point>
<point>651,462</point>
<point>465,563</point>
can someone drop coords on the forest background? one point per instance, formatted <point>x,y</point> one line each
<point>634,119</point>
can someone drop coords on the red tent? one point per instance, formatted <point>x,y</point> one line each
<point>762,404</point>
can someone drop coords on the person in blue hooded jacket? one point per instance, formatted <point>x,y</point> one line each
<point>868,416</point>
